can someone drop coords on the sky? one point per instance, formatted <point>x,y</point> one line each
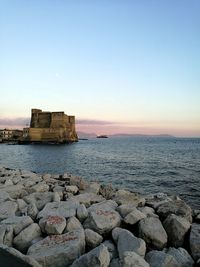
<point>119,66</point>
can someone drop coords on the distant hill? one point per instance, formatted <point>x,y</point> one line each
<point>93,135</point>
<point>143,135</point>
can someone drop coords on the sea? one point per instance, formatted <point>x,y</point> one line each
<point>141,164</point>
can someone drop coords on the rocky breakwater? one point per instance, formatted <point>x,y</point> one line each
<point>61,220</point>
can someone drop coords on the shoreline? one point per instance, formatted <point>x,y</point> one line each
<point>64,220</point>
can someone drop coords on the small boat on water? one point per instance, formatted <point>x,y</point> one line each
<point>102,136</point>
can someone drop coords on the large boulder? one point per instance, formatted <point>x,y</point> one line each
<point>40,198</point>
<point>181,256</point>
<point>105,205</point>
<point>111,248</point>
<point>82,212</point>
<point>125,209</point>
<point>4,196</point>
<point>88,198</point>
<point>152,231</point>
<point>73,224</point>
<point>7,209</point>
<point>102,221</point>
<point>161,259</point>
<point>14,191</point>
<point>177,207</point>
<point>195,241</point>
<point>12,257</point>
<point>126,241</point>
<point>53,225</point>
<point>63,208</point>
<point>98,257</point>
<point>59,250</point>
<point>134,216</point>
<point>6,235</point>
<point>126,197</point>
<point>92,238</point>
<point>176,228</point>
<point>132,259</point>
<point>23,240</point>
<point>18,223</point>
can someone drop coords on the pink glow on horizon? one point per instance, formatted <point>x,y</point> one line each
<point>109,128</point>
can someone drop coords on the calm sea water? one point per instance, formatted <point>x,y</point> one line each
<point>145,165</point>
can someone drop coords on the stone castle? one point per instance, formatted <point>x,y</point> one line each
<point>56,127</point>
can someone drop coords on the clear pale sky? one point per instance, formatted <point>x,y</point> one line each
<point>119,66</point>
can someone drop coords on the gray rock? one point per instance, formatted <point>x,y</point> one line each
<point>78,181</point>
<point>111,249</point>
<point>59,250</point>
<point>195,241</point>
<point>88,198</point>
<point>176,228</point>
<point>107,191</point>
<point>14,191</point>
<point>57,196</point>
<point>161,259</point>
<point>134,216</point>
<point>4,196</point>
<point>92,238</point>
<point>7,209</point>
<point>148,211</point>
<point>126,197</point>
<point>155,200</point>
<point>32,210</point>
<point>125,209</point>
<point>18,223</point>
<point>181,256</point>
<point>132,259</point>
<point>40,187</point>
<point>73,224</point>
<point>116,232</point>
<point>23,240</point>
<point>104,205</point>
<point>40,199</point>
<point>71,189</point>
<point>126,241</point>
<point>102,221</point>
<point>12,257</point>
<point>115,263</point>
<point>63,208</point>
<point>98,257</point>
<point>152,231</point>
<point>177,207</point>
<point>6,235</point>
<point>82,212</point>
<point>21,204</point>
<point>53,225</point>
<point>92,187</point>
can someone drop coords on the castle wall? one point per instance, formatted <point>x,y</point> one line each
<point>51,126</point>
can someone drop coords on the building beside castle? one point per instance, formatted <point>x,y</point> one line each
<point>56,127</point>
